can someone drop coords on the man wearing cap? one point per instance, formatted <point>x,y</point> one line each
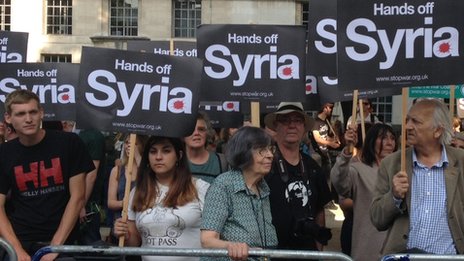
<point>299,190</point>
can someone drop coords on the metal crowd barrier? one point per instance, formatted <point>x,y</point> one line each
<point>420,257</point>
<point>197,252</point>
<point>9,249</point>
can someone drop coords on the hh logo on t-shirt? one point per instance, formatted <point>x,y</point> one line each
<point>39,176</point>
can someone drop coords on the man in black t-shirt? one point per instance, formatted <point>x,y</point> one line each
<point>90,215</point>
<point>321,134</point>
<point>44,170</point>
<point>299,190</point>
<point>321,131</point>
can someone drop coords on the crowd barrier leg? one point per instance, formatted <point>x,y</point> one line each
<point>197,252</point>
<point>9,249</point>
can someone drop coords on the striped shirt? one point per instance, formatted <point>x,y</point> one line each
<point>429,229</point>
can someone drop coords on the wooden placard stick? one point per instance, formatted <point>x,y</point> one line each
<point>255,114</point>
<point>405,97</point>
<point>171,46</point>
<point>337,139</point>
<point>363,124</point>
<point>127,188</point>
<point>451,102</point>
<point>353,114</point>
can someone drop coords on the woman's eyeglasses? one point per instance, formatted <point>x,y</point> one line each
<point>264,150</point>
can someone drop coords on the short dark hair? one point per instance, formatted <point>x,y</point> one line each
<point>368,156</point>
<point>325,105</point>
<point>239,148</point>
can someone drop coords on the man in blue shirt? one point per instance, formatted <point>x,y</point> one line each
<point>422,206</point>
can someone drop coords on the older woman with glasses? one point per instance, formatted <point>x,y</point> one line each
<point>237,214</point>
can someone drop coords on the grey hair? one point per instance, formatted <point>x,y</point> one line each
<point>239,153</point>
<point>441,119</point>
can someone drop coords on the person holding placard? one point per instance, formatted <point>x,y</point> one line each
<point>356,179</point>
<point>325,138</point>
<point>421,206</point>
<point>117,180</point>
<point>166,205</point>
<point>321,131</point>
<point>45,171</point>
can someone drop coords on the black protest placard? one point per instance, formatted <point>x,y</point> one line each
<point>225,114</point>
<point>313,101</point>
<point>394,43</point>
<point>221,114</point>
<point>138,92</point>
<point>54,83</point>
<point>179,48</point>
<point>13,47</point>
<point>270,107</point>
<point>252,62</point>
<point>322,38</point>
<point>329,91</point>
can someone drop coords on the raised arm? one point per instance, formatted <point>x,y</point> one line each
<point>342,174</point>
<point>113,202</point>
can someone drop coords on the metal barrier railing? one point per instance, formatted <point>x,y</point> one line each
<point>9,249</point>
<point>145,251</point>
<point>420,257</point>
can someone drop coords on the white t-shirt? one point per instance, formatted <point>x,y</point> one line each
<point>368,119</point>
<point>170,228</point>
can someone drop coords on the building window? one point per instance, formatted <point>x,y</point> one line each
<point>305,15</point>
<point>383,108</point>
<point>124,17</point>
<point>187,16</point>
<point>56,58</point>
<point>59,16</point>
<point>5,15</point>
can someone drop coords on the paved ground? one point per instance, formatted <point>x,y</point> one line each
<point>334,220</point>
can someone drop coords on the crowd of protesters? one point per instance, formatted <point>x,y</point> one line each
<point>265,188</point>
